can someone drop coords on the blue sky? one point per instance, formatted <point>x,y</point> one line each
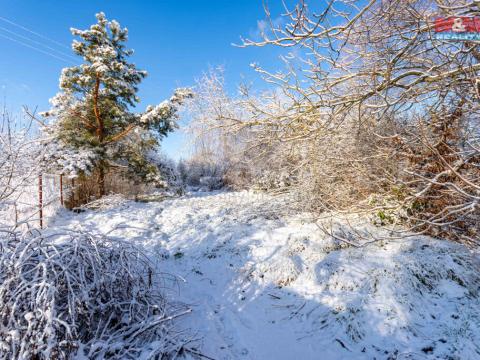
<point>175,41</point>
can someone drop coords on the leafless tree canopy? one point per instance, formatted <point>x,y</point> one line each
<point>371,112</point>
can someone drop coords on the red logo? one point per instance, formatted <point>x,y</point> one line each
<point>458,28</point>
<point>458,24</point>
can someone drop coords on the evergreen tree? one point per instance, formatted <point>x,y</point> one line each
<point>94,121</point>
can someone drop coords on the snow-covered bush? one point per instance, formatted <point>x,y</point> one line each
<point>167,168</point>
<point>204,175</point>
<point>269,180</point>
<point>80,295</point>
<point>211,182</point>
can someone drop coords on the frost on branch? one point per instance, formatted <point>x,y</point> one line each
<point>81,295</point>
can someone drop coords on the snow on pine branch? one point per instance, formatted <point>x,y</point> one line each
<point>167,109</point>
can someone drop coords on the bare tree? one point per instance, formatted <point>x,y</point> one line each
<point>371,113</point>
<point>376,74</point>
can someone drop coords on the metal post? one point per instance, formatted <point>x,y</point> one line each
<point>72,196</point>
<point>61,189</point>
<point>40,199</point>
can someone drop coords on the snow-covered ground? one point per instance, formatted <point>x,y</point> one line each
<point>264,285</point>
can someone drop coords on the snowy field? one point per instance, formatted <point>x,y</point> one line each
<point>263,285</point>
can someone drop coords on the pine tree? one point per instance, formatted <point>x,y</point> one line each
<point>93,110</point>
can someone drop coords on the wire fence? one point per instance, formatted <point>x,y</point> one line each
<point>34,204</point>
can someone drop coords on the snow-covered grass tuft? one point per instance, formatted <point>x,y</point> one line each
<point>75,295</point>
<point>106,202</point>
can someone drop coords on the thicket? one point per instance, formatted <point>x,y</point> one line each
<point>372,114</point>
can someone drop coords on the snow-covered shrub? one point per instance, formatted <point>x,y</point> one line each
<point>204,175</point>
<point>170,174</point>
<point>211,182</point>
<point>269,180</point>
<point>80,295</point>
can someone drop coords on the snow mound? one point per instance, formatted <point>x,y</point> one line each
<point>411,298</point>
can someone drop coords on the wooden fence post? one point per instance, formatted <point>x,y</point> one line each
<point>40,199</point>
